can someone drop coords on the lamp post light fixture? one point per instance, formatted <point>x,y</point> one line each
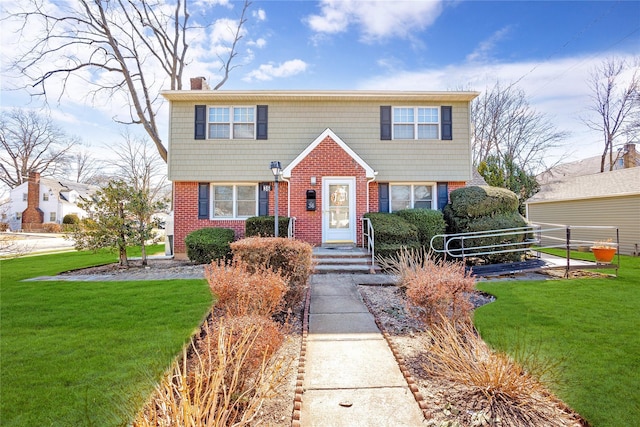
<point>276,169</point>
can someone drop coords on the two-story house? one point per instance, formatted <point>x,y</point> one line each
<point>45,200</point>
<point>352,152</point>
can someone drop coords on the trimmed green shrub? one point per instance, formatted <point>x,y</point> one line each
<point>208,244</point>
<point>392,233</point>
<point>481,209</point>
<point>428,222</point>
<point>264,226</point>
<point>71,219</point>
<point>477,201</point>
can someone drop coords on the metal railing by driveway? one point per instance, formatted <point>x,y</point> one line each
<point>537,236</point>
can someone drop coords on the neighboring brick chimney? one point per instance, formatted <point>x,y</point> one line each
<point>630,156</point>
<point>33,217</point>
<point>199,83</point>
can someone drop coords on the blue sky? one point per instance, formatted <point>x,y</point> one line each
<point>548,48</point>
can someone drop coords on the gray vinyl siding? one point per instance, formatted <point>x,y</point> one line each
<point>621,211</point>
<point>293,125</point>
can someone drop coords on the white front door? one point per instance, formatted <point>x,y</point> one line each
<point>338,210</point>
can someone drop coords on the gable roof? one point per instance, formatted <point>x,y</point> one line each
<point>370,173</point>
<point>622,182</point>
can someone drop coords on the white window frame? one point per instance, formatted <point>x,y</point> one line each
<point>25,197</point>
<point>45,197</point>
<point>416,123</point>
<point>18,216</point>
<point>53,217</point>
<point>234,200</point>
<point>434,193</point>
<point>232,122</point>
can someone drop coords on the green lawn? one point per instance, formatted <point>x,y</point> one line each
<point>87,353</point>
<point>590,326</point>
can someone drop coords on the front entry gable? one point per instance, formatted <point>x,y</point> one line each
<point>328,133</point>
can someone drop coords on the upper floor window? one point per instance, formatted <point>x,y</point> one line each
<point>24,197</point>
<point>45,197</point>
<point>416,122</point>
<point>231,122</point>
<point>234,201</point>
<point>407,196</point>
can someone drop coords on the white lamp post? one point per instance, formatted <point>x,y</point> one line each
<point>276,169</point>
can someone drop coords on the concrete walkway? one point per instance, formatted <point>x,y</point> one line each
<point>351,376</point>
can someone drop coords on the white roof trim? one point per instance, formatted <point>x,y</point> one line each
<point>370,173</point>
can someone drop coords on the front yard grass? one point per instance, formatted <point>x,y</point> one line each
<point>87,353</point>
<point>589,325</point>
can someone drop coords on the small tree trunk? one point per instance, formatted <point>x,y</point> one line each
<point>124,261</point>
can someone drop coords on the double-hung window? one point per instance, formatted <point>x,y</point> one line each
<point>416,122</point>
<point>407,196</point>
<point>234,201</point>
<point>231,122</point>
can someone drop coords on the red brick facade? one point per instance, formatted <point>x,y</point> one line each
<point>327,159</point>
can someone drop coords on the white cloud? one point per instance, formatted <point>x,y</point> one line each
<point>259,15</point>
<point>483,51</point>
<point>259,43</point>
<point>375,19</point>
<point>269,71</point>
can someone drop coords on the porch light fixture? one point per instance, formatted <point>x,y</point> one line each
<point>276,169</point>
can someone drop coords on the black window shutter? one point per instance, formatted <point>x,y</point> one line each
<point>385,122</point>
<point>383,197</point>
<point>446,123</point>
<point>203,200</point>
<point>262,121</point>
<point>200,122</point>
<point>443,195</point>
<point>263,200</point>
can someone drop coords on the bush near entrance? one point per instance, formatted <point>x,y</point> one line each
<point>264,226</point>
<point>482,208</point>
<point>209,244</point>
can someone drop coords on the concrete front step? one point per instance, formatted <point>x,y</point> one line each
<point>341,260</point>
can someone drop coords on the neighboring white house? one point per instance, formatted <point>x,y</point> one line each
<point>45,200</point>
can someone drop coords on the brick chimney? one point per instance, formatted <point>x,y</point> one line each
<point>199,83</point>
<point>630,156</point>
<point>33,217</point>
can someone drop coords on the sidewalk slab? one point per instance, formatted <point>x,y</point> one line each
<point>342,326</point>
<point>351,364</point>
<point>337,304</point>
<point>381,407</point>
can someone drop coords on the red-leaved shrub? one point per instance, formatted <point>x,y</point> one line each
<point>244,290</point>
<point>291,258</point>
<point>440,289</point>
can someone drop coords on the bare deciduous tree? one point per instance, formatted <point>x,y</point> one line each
<point>84,167</point>
<point>616,103</point>
<point>117,47</point>
<point>31,142</point>
<point>504,125</point>
<point>140,166</point>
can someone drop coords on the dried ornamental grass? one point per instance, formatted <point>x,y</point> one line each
<point>243,290</point>
<point>514,396</point>
<point>436,289</point>
<point>211,385</point>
